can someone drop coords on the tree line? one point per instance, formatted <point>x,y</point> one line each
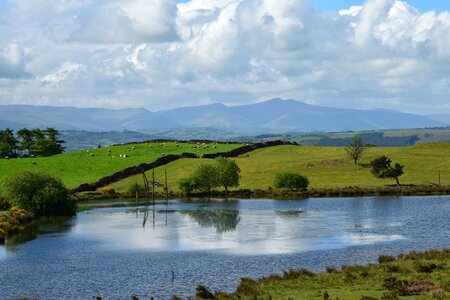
<point>30,142</point>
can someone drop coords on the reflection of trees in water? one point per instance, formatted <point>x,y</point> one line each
<point>221,220</point>
<point>45,225</point>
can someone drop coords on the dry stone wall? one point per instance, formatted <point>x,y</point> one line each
<point>164,160</point>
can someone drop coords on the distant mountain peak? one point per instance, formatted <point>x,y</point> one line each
<point>275,115</point>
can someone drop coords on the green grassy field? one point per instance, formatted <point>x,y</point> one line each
<point>425,135</point>
<point>79,167</point>
<point>326,167</point>
<point>412,276</point>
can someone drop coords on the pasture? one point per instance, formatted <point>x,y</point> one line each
<point>89,165</point>
<point>326,167</point>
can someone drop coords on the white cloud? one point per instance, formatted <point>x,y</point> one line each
<point>158,54</point>
<point>353,11</point>
<point>62,73</point>
<point>130,21</point>
<point>12,61</point>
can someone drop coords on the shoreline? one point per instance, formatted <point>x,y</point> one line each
<point>411,275</point>
<point>343,192</point>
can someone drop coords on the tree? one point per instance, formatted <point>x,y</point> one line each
<point>290,180</point>
<point>187,184</point>
<point>46,147</point>
<point>39,193</point>
<point>7,137</point>
<point>228,172</point>
<point>26,137</point>
<point>4,149</point>
<point>355,149</point>
<point>205,178</point>
<point>381,168</point>
<point>51,133</point>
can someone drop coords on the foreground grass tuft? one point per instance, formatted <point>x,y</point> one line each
<point>410,276</point>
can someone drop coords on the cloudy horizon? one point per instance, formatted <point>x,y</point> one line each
<point>160,54</point>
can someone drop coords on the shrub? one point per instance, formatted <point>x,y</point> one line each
<point>4,205</point>
<point>331,270</point>
<point>202,292</point>
<point>247,286</point>
<point>107,191</point>
<point>187,184</point>
<point>292,181</point>
<point>39,193</point>
<point>19,214</point>
<point>425,268</point>
<point>395,286</point>
<point>206,178</point>
<point>293,274</point>
<point>385,259</point>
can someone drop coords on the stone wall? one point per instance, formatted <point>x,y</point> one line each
<point>164,160</point>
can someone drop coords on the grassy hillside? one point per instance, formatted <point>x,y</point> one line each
<point>79,167</point>
<point>425,135</point>
<point>324,166</point>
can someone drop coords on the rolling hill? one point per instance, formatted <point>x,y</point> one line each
<point>277,115</point>
<point>272,116</point>
<point>90,119</point>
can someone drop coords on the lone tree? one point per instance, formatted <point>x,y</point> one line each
<point>228,173</point>
<point>356,148</point>
<point>381,168</point>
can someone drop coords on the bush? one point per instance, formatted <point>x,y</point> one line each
<point>385,259</point>
<point>187,185</point>
<point>4,205</point>
<point>39,193</point>
<point>206,178</point>
<point>202,292</point>
<point>292,181</point>
<point>107,191</point>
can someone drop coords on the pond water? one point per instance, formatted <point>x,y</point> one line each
<point>109,252</point>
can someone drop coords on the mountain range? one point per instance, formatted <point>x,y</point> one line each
<point>275,115</point>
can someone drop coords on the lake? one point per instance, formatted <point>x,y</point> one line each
<point>110,252</point>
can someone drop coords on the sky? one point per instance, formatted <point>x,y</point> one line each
<point>163,54</point>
